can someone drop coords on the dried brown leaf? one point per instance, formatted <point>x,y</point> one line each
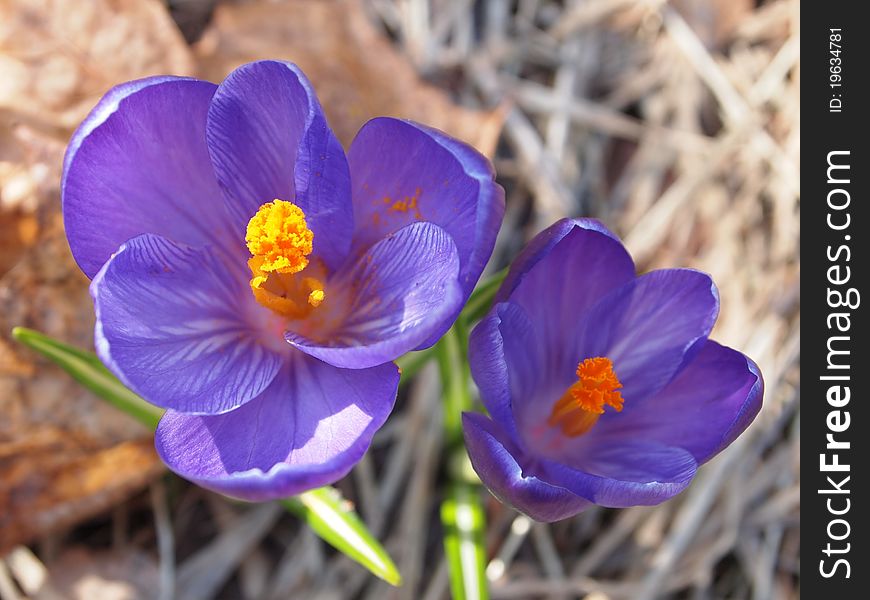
<point>56,478</point>
<point>356,71</point>
<point>57,57</point>
<point>64,455</point>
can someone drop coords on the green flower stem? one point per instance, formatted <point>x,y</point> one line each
<point>455,379</point>
<point>462,516</point>
<point>464,522</point>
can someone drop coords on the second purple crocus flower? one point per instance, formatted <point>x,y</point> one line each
<point>257,282</point>
<point>602,386</point>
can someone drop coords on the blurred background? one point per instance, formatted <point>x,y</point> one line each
<point>675,122</point>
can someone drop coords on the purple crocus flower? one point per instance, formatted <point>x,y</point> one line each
<point>257,282</point>
<point>602,386</point>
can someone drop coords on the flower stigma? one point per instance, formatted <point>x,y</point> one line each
<point>280,243</point>
<point>583,403</point>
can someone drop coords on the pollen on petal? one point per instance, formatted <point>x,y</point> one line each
<point>408,204</point>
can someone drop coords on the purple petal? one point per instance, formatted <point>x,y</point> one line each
<point>711,402</point>
<point>399,293</point>
<point>175,325</point>
<point>565,282</point>
<point>501,473</point>
<point>554,283</point>
<point>306,430</point>
<point>403,171</point>
<point>268,139</point>
<point>139,164</point>
<point>623,473</point>
<point>650,328</point>
<point>604,254</point>
<point>505,361</point>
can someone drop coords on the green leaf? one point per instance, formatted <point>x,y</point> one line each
<point>87,369</point>
<point>322,509</point>
<point>332,518</point>
<point>463,519</point>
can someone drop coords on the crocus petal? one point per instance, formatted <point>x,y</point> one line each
<point>501,473</point>
<point>604,256</point>
<point>269,139</point>
<point>711,402</point>
<point>650,328</point>
<point>139,164</point>
<point>306,430</point>
<point>403,171</point>
<point>400,292</point>
<point>569,278</point>
<point>623,473</point>
<point>564,272</point>
<point>173,323</point>
<point>505,361</point>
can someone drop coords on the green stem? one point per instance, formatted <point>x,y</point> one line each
<point>464,522</point>
<point>454,381</point>
<point>462,516</point>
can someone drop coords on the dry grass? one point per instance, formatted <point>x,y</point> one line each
<point>678,125</point>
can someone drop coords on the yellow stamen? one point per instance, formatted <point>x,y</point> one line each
<point>583,403</point>
<point>280,242</point>
<point>279,234</point>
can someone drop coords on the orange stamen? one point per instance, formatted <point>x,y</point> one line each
<point>583,403</point>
